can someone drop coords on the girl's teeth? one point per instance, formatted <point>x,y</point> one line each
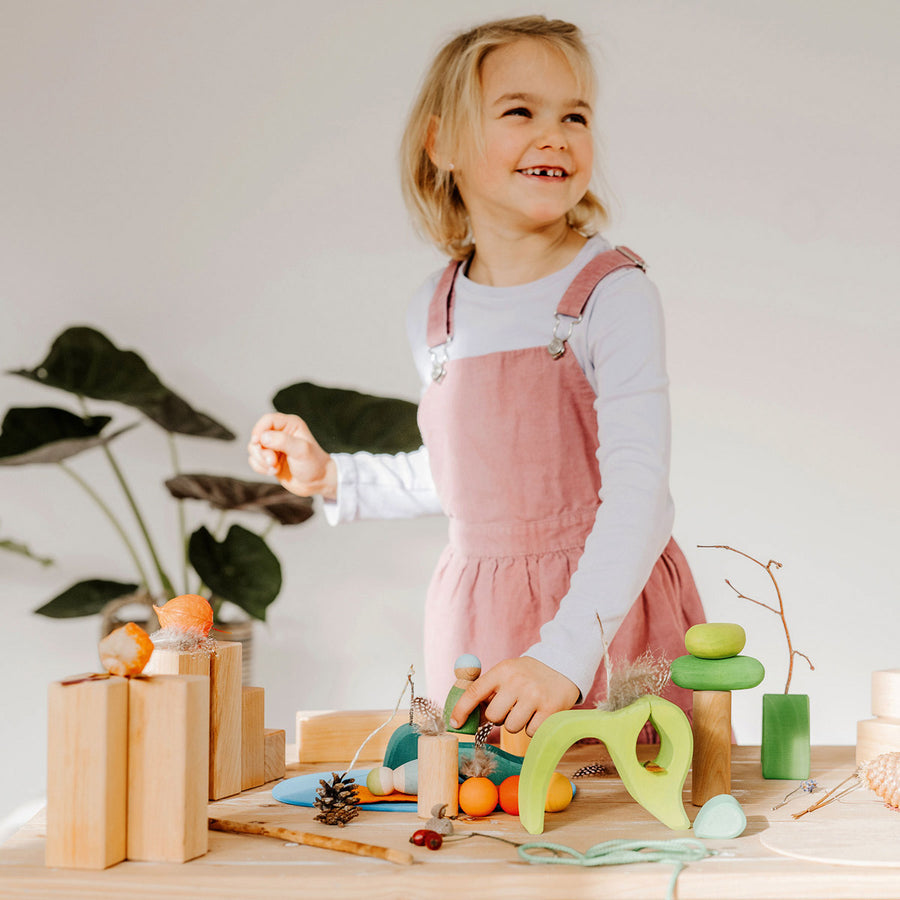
<point>554,173</point>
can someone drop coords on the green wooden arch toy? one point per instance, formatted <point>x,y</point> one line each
<point>659,792</point>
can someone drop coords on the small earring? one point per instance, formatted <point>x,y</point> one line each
<point>450,167</point>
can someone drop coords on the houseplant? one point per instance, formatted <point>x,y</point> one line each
<point>237,567</point>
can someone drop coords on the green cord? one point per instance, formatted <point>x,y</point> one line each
<point>620,852</point>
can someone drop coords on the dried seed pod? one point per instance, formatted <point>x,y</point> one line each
<point>189,613</point>
<point>882,775</point>
<point>126,650</point>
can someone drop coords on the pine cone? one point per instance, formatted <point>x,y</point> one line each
<point>337,800</point>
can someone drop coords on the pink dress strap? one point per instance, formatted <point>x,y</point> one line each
<point>579,291</point>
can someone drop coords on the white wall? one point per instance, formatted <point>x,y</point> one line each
<point>214,185</point>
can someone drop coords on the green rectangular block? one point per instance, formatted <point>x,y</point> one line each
<point>785,736</point>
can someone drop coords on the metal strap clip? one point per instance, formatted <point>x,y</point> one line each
<point>439,358</point>
<point>557,345</point>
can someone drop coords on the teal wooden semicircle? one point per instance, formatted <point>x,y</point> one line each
<point>659,792</point>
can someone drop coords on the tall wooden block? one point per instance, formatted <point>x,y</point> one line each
<point>711,767</point>
<point>253,737</point>
<point>86,773</point>
<point>168,762</point>
<point>275,756</point>
<point>177,662</point>
<point>225,720</point>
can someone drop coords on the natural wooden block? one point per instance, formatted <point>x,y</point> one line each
<point>253,739</point>
<point>331,736</point>
<point>876,736</point>
<point>86,773</point>
<point>275,754</point>
<point>225,720</point>
<point>177,662</point>
<point>886,694</point>
<point>711,766</point>
<point>168,766</point>
<point>438,781</point>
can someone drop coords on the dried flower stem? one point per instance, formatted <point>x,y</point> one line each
<point>769,566</point>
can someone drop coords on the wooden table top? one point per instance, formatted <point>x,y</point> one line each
<point>858,827</point>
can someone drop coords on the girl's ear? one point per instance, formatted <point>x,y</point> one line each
<point>432,144</point>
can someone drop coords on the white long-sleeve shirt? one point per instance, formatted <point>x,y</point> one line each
<point>620,347</point>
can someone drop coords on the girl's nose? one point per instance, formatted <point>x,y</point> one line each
<point>552,138</point>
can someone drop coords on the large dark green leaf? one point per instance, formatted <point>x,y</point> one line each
<point>85,598</point>
<point>226,493</point>
<point>46,434</point>
<point>344,421</point>
<point>241,569</point>
<point>85,362</point>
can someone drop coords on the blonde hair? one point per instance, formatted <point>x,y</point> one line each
<point>451,94</point>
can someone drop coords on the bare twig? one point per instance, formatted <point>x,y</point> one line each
<point>313,840</point>
<point>769,567</point>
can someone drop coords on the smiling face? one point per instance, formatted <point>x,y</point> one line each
<point>536,156</point>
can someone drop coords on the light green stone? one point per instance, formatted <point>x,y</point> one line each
<point>715,640</point>
<point>733,674</point>
<point>720,819</point>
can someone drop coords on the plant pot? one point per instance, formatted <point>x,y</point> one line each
<point>785,736</point>
<point>137,608</point>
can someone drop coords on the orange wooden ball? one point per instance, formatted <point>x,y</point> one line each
<point>478,796</point>
<point>509,795</point>
<point>559,793</point>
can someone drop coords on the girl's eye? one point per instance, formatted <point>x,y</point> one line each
<point>576,117</point>
<point>518,111</point>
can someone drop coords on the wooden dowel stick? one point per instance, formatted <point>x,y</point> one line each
<point>313,840</point>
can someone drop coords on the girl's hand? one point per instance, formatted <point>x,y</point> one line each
<point>521,692</point>
<point>283,446</point>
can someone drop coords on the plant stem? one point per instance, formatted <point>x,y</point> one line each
<point>182,528</point>
<point>112,518</point>
<point>164,579</point>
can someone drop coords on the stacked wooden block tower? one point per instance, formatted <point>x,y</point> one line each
<point>132,762</point>
<point>881,734</point>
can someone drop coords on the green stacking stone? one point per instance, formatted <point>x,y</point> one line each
<point>715,640</point>
<point>733,674</point>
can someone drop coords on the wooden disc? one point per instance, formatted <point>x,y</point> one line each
<point>876,736</point>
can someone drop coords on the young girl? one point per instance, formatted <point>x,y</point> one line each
<point>544,414</point>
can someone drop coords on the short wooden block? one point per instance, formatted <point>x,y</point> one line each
<point>711,766</point>
<point>332,736</point>
<point>225,720</point>
<point>876,736</point>
<point>168,765</point>
<point>785,736</point>
<point>886,694</point>
<point>177,662</point>
<point>253,738</point>
<point>275,754</point>
<point>87,752</point>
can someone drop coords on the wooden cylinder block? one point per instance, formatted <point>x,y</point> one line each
<point>168,765</point>
<point>438,774</point>
<point>87,754</point>
<point>886,694</point>
<point>711,769</point>
<point>876,736</point>
<point>514,742</point>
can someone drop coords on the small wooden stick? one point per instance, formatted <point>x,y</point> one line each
<point>313,840</point>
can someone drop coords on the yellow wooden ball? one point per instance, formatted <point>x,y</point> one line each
<point>559,793</point>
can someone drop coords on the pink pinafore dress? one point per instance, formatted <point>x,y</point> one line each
<point>512,438</point>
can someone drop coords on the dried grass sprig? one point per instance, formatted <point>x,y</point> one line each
<point>769,567</point>
<point>631,679</point>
